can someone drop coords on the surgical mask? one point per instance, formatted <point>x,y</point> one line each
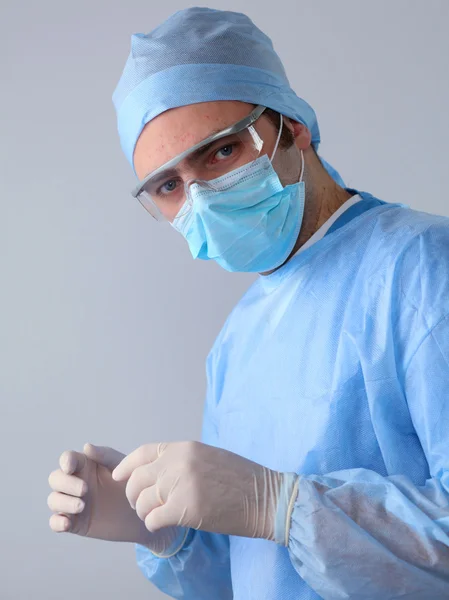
<point>246,220</point>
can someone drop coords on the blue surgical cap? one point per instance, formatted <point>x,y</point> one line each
<point>203,55</point>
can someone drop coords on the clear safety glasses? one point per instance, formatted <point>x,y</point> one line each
<point>164,192</point>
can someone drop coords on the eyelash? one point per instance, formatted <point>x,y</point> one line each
<point>223,147</point>
<point>160,192</point>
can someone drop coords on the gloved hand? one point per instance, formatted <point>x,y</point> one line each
<point>191,484</point>
<point>88,502</point>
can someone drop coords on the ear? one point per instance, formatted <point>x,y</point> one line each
<point>301,133</point>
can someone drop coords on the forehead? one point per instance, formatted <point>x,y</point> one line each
<point>179,129</point>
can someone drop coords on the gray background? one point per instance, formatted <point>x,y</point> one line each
<point>105,319</point>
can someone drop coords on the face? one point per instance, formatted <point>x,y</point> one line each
<point>177,130</point>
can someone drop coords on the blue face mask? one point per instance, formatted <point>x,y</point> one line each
<point>246,220</point>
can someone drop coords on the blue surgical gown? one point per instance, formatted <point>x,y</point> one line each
<point>336,367</point>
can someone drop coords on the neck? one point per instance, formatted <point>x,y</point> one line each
<point>320,206</point>
<point>323,198</point>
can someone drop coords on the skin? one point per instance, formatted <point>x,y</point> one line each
<point>178,129</point>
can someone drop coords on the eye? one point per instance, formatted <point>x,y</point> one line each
<point>168,187</point>
<point>224,152</point>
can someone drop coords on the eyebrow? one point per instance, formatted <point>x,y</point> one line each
<point>198,153</point>
<point>201,151</point>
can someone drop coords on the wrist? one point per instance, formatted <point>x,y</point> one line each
<point>167,542</point>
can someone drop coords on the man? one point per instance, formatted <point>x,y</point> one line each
<point>323,470</point>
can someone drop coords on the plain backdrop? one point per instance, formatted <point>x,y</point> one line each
<point>105,320</point>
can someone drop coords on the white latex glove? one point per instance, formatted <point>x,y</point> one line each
<point>88,502</point>
<point>191,484</point>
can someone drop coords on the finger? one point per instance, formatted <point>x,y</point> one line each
<point>108,457</point>
<point>141,478</point>
<point>163,516</point>
<point>67,484</point>
<point>72,462</point>
<point>143,455</point>
<point>61,503</point>
<point>148,500</point>
<point>60,523</point>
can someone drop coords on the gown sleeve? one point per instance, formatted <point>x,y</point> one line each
<point>357,534</point>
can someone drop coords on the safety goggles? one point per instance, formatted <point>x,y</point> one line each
<point>164,191</point>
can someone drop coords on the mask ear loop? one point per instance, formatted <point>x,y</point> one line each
<point>278,138</point>
<point>302,167</point>
<point>277,145</point>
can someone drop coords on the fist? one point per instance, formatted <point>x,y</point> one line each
<point>191,484</point>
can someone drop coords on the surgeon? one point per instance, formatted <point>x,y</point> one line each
<point>323,470</point>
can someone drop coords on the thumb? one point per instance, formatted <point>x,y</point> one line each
<point>161,517</point>
<point>107,457</point>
